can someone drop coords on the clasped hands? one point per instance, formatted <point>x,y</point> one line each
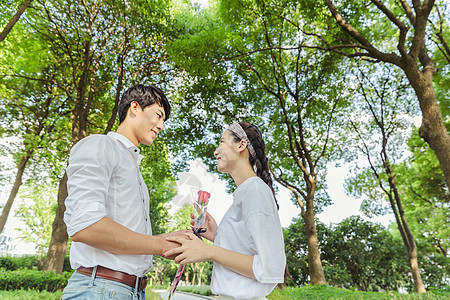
<point>192,248</point>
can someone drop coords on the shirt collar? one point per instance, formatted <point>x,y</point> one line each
<point>128,144</point>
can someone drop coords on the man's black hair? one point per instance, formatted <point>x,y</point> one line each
<point>145,96</point>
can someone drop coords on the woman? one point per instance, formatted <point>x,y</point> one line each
<point>248,250</point>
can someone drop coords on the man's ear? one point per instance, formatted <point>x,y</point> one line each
<point>134,107</point>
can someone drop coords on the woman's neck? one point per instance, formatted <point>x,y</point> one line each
<point>243,172</point>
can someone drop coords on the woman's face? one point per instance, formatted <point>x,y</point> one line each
<point>227,153</point>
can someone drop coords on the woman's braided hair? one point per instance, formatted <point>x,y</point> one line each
<point>260,161</point>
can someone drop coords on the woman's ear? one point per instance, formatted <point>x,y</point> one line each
<point>242,145</point>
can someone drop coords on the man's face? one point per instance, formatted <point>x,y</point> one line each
<point>149,122</point>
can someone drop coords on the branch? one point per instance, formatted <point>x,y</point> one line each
<point>441,41</point>
<point>292,188</point>
<point>408,11</point>
<point>14,19</point>
<point>328,133</point>
<point>439,246</point>
<point>419,196</point>
<point>347,27</point>
<point>418,47</point>
<point>292,134</point>
<point>355,34</point>
<point>398,23</point>
<point>390,15</point>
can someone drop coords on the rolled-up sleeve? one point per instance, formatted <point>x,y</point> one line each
<point>91,165</point>
<point>266,241</point>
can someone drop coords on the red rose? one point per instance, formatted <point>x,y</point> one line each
<point>203,197</point>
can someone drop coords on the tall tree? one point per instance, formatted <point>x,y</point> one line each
<point>426,203</point>
<point>246,63</point>
<point>37,121</point>
<point>366,30</point>
<point>32,105</point>
<point>378,139</point>
<point>103,45</point>
<point>73,32</point>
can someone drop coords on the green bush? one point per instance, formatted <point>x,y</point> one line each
<point>14,263</point>
<point>28,262</point>
<point>32,279</point>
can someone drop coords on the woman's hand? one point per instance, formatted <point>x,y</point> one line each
<point>178,233</point>
<point>210,225</point>
<point>192,249</point>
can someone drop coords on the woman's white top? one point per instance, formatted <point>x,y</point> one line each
<point>251,226</point>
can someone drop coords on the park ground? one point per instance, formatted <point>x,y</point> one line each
<point>306,292</point>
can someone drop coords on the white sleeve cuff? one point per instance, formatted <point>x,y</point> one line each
<point>258,271</point>
<point>92,213</point>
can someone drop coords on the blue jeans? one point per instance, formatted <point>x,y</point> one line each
<point>86,287</point>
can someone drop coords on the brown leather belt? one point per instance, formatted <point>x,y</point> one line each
<point>122,277</point>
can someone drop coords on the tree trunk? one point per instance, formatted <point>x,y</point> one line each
<point>413,262</point>
<point>315,264</point>
<point>15,190</point>
<point>406,234</point>
<point>194,275</point>
<point>14,19</point>
<point>58,243</point>
<point>432,129</point>
<point>112,119</point>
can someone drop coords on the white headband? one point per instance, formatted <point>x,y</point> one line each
<point>240,132</point>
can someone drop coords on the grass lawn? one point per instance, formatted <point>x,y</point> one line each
<point>328,292</point>
<point>29,295</point>
<point>308,292</point>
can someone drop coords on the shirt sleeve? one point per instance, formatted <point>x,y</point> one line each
<point>91,165</point>
<point>266,240</point>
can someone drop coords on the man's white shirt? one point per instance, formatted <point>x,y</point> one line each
<point>104,181</point>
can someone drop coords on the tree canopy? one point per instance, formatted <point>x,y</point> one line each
<point>324,81</point>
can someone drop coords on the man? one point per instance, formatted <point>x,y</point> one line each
<point>107,208</point>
